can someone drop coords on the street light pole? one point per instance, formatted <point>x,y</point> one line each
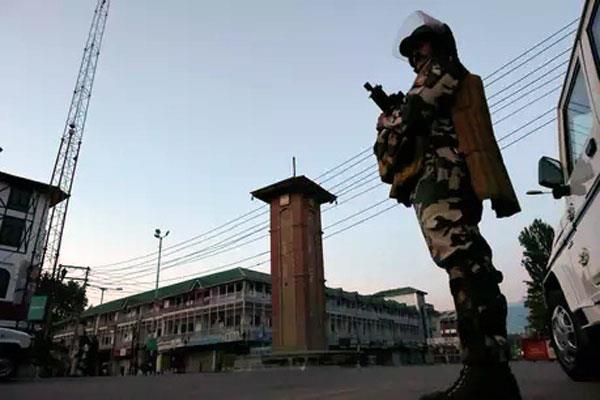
<point>157,234</point>
<point>104,289</point>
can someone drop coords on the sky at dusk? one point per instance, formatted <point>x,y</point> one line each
<point>196,104</point>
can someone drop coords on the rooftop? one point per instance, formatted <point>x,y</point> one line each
<point>369,299</point>
<point>399,292</point>
<point>297,184</point>
<point>55,194</point>
<point>207,281</point>
<point>219,278</point>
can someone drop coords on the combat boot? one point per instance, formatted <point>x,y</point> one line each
<point>482,382</point>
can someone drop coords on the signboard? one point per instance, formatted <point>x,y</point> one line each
<point>151,345</point>
<point>37,308</point>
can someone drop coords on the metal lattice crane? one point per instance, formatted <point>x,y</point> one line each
<point>70,142</point>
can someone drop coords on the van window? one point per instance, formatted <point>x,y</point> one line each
<point>594,31</point>
<point>578,117</point>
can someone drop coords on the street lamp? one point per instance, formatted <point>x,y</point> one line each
<point>104,289</point>
<point>157,234</point>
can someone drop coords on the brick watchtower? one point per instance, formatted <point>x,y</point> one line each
<point>298,283</point>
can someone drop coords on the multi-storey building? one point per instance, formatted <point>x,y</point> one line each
<point>203,324</point>
<point>24,206</point>
<point>445,343</point>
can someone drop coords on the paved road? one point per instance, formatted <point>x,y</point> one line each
<point>539,381</point>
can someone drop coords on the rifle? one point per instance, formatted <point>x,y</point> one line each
<point>383,100</point>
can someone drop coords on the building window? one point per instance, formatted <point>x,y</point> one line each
<point>4,281</point>
<point>19,199</point>
<point>11,231</point>
<point>578,118</point>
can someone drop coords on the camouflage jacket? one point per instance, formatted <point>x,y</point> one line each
<point>402,133</point>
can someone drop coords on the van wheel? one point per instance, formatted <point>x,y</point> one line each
<point>575,349</point>
<point>7,367</point>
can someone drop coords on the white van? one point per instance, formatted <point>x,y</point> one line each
<point>573,282</point>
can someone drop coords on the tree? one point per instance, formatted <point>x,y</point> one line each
<point>68,299</point>
<point>536,240</point>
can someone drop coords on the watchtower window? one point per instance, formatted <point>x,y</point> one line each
<point>11,231</point>
<point>19,199</point>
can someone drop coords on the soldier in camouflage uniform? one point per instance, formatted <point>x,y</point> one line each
<point>436,182</point>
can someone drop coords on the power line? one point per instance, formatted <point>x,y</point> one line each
<point>343,171</point>
<point>525,125</point>
<point>528,93</point>
<point>550,80</point>
<point>368,149</point>
<point>538,68</point>
<point>546,94</point>
<point>532,47</point>
<point>357,213</point>
<point>531,58</point>
<point>220,248</point>
<point>527,134</point>
<point>369,168</point>
<point>349,188</point>
<point>188,240</point>
<point>361,221</point>
<point>225,244</point>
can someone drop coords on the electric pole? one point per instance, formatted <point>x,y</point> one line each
<point>157,234</point>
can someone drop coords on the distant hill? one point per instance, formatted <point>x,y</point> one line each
<point>517,317</point>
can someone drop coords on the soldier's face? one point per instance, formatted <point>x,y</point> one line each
<point>421,53</point>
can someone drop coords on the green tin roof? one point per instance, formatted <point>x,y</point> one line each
<point>234,275</point>
<point>398,292</point>
<point>374,300</point>
<point>207,281</point>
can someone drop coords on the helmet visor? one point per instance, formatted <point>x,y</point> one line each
<point>414,21</point>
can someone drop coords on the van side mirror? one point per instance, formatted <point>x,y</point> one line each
<point>550,175</point>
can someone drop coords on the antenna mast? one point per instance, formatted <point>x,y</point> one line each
<point>70,142</point>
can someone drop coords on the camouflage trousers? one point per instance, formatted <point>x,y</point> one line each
<point>449,212</point>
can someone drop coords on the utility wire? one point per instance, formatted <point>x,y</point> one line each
<point>527,93</point>
<point>550,80</point>
<point>564,28</point>
<point>529,104</point>
<point>357,184</point>
<point>527,134</point>
<point>531,58</point>
<point>545,63</point>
